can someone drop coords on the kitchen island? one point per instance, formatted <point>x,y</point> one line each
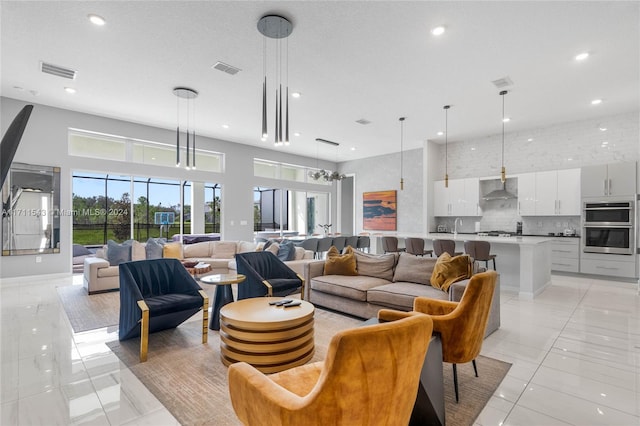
<point>523,262</point>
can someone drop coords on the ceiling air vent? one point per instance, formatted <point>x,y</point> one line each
<point>363,121</point>
<point>502,82</point>
<point>229,69</point>
<point>57,70</point>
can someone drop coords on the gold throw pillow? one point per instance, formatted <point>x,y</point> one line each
<point>337,264</point>
<point>449,270</point>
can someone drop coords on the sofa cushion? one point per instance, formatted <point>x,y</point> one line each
<point>153,248</point>
<point>448,270</point>
<point>223,249</point>
<point>414,269</point>
<point>272,247</point>
<point>337,264</point>
<point>118,253</point>
<point>246,246</point>
<point>173,250</point>
<point>138,251</point>
<point>351,287</point>
<point>400,295</point>
<point>111,271</point>
<point>196,250</point>
<point>299,253</point>
<point>378,266</point>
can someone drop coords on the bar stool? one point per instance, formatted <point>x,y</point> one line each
<point>323,246</point>
<point>364,242</point>
<point>390,245</point>
<point>480,252</point>
<point>415,246</point>
<point>441,246</point>
<point>339,243</point>
<point>352,241</point>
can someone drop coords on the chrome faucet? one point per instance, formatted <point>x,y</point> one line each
<point>455,226</point>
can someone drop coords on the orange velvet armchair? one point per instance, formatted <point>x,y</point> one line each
<point>369,377</point>
<point>461,324</point>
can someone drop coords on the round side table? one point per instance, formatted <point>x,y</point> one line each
<point>223,294</point>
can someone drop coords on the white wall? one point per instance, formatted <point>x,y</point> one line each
<point>45,143</point>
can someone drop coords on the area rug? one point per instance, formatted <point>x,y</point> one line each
<point>191,382</point>
<point>88,312</point>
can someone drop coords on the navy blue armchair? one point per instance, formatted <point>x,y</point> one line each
<point>266,276</point>
<point>156,295</point>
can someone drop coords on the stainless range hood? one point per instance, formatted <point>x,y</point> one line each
<point>499,194</point>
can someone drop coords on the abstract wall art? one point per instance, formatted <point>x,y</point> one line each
<point>379,210</point>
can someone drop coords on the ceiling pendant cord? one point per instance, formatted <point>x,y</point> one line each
<point>503,171</point>
<point>264,90</point>
<point>188,167</point>
<point>286,135</point>
<point>446,145</point>
<point>177,131</point>
<point>401,119</point>
<point>193,137</point>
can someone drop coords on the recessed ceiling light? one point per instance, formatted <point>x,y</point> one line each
<point>70,90</point>
<point>440,133</point>
<point>582,56</point>
<point>596,101</point>
<point>605,142</point>
<point>473,149</point>
<point>530,140</point>
<point>96,19</point>
<point>353,148</point>
<point>602,128</point>
<point>569,159</point>
<point>296,134</point>
<point>225,126</point>
<point>506,120</point>
<point>296,94</point>
<point>437,31</point>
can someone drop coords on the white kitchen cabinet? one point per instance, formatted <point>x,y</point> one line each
<point>565,255</point>
<point>461,198</point>
<point>527,194</point>
<point>613,265</point>
<point>609,180</point>
<point>550,193</point>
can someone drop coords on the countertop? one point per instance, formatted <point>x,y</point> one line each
<point>520,239</point>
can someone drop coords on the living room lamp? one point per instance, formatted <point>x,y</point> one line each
<point>278,28</point>
<point>446,145</point>
<point>401,119</point>
<point>188,96</point>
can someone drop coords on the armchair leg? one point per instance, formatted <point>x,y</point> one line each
<point>144,331</point>
<point>455,380</point>
<point>475,368</point>
<point>205,316</point>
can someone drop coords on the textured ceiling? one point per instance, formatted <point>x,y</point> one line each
<point>350,60</point>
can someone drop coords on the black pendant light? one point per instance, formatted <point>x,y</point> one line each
<point>188,96</point>
<point>401,119</point>
<point>278,28</point>
<point>446,145</point>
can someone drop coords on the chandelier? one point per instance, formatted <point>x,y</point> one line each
<point>278,28</point>
<point>322,174</point>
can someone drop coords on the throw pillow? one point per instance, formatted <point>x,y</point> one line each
<point>378,266</point>
<point>449,270</point>
<point>153,249</point>
<point>173,250</point>
<point>273,248</point>
<point>138,251</point>
<point>286,251</point>
<point>414,269</point>
<point>337,264</point>
<point>118,253</point>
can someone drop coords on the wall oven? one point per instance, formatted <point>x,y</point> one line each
<point>608,227</point>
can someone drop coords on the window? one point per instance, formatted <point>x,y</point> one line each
<point>275,170</point>
<point>83,143</point>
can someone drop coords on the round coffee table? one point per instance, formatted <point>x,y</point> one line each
<point>223,294</point>
<point>271,338</point>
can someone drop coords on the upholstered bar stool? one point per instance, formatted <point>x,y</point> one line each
<point>364,242</point>
<point>480,252</point>
<point>390,244</point>
<point>440,246</point>
<point>415,246</point>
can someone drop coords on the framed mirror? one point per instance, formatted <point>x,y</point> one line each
<point>31,210</point>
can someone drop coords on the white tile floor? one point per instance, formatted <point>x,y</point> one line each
<point>575,351</point>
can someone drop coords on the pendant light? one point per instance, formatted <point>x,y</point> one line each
<point>502,193</point>
<point>401,119</point>
<point>278,28</point>
<point>503,172</point>
<point>446,146</point>
<point>187,96</point>
<point>322,174</point>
